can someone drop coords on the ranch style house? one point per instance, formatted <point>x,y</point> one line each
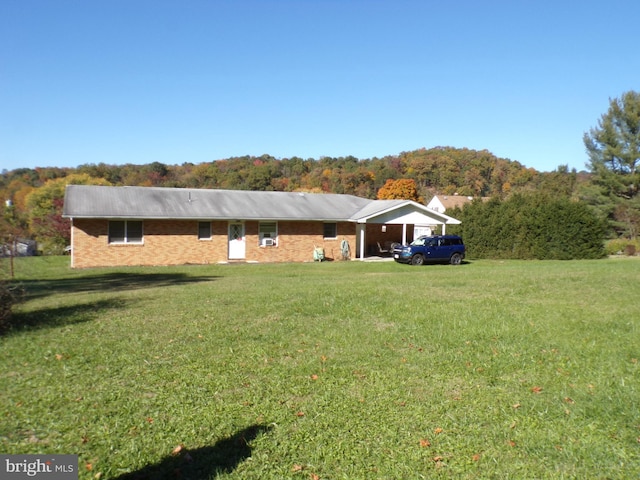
<point>126,226</point>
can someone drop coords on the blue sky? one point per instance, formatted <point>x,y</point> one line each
<point>140,81</point>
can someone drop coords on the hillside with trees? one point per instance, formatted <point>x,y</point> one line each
<point>605,200</point>
<point>445,170</point>
<point>35,195</point>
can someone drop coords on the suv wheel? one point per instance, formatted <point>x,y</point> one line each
<point>456,259</point>
<point>417,259</point>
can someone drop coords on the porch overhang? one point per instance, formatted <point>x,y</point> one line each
<point>402,213</point>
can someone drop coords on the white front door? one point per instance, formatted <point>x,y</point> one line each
<point>236,241</point>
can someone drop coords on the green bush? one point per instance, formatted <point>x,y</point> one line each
<point>531,226</point>
<point>622,246</point>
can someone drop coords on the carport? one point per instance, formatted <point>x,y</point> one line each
<point>391,214</point>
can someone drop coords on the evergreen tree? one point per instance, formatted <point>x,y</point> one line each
<point>614,157</point>
<point>531,226</point>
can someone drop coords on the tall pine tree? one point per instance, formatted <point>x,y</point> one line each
<point>614,160</point>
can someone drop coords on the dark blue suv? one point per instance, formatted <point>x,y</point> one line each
<point>434,249</point>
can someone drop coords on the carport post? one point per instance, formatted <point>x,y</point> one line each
<point>360,229</point>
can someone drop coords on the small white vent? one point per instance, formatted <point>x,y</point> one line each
<point>267,242</point>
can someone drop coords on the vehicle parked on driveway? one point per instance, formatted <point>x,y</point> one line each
<point>431,249</point>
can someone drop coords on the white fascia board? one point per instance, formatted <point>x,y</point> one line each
<point>437,217</point>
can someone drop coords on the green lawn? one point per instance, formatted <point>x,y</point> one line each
<point>337,370</point>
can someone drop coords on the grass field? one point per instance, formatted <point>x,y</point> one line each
<point>344,370</point>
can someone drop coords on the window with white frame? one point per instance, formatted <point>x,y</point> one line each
<point>125,231</point>
<point>330,230</point>
<point>204,230</point>
<point>268,234</point>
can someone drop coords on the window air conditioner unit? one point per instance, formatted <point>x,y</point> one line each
<point>267,242</point>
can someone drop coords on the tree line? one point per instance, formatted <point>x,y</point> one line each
<point>445,170</point>
<point>35,195</point>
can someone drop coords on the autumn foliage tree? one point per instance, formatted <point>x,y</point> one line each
<point>45,211</point>
<point>401,189</point>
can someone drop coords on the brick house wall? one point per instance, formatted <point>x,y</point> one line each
<point>175,242</point>
<point>296,241</point>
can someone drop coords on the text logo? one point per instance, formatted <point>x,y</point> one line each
<point>39,467</point>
